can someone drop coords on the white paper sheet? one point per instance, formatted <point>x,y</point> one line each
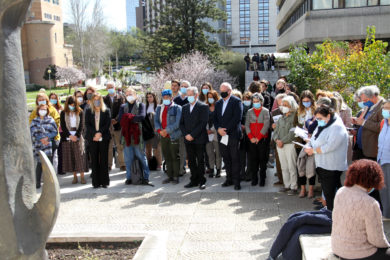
<point>300,132</point>
<point>211,137</point>
<point>225,140</point>
<point>302,145</point>
<point>276,118</point>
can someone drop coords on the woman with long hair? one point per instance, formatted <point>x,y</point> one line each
<point>204,90</point>
<point>152,146</point>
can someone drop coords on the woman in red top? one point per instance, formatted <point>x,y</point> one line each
<point>257,124</point>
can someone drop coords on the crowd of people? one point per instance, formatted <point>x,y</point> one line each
<point>260,62</point>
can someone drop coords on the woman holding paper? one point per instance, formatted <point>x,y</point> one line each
<point>329,144</point>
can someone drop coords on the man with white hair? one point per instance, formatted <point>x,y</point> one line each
<point>194,119</point>
<point>227,121</point>
<point>114,101</point>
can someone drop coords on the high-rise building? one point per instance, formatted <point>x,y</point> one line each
<point>42,38</point>
<point>313,21</point>
<point>131,20</point>
<point>140,13</point>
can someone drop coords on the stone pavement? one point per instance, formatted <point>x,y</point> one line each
<point>216,223</point>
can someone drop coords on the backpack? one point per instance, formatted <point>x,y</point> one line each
<point>152,162</point>
<point>137,173</point>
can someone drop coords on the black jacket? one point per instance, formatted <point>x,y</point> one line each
<point>114,106</point>
<point>194,123</point>
<point>65,131</point>
<point>104,124</point>
<point>231,119</point>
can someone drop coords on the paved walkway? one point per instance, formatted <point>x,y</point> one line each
<point>216,223</point>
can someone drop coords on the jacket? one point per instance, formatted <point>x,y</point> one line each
<point>65,131</point>
<point>104,124</point>
<point>39,129</point>
<point>283,126</point>
<point>130,130</point>
<point>173,120</point>
<point>306,164</point>
<point>383,144</point>
<point>257,127</point>
<point>114,108</point>
<point>53,113</point>
<point>370,131</point>
<point>195,122</point>
<point>231,118</point>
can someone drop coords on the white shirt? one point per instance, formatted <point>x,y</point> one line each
<point>225,103</point>
<point>150,109</point>
<point>73,122</point>
<point>192,106</point>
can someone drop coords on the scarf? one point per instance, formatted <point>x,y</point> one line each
<point>130,130</point>
<point>320,129</point>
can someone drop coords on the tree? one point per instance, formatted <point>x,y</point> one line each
<point>126,45</point>
<point>194,67</point>
<point>71,75</point>
<point>232,62</point>
<point>53,73</point>
<point>180,28</point>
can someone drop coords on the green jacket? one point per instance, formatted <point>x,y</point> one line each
<point>283,126</point>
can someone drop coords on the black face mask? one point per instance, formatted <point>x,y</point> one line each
<point>224,94</point>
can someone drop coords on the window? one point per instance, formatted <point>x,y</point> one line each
<point>385,2</point>
<point>322,4</point>
<point>56,2</point>
<point>47,1</point>
<point>48,16</point>
<point>229,17</point>
<point>55,37</point>
<point>263,21</point>
<point>57,18</point>
<point>244,21</point>
<point>355,3</point>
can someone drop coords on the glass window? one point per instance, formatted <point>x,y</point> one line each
<point>385,2</point>
<point>372,2</point>
<point>355,3</point>
<point>323,4</point>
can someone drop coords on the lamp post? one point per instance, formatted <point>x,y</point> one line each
<point>49,71</point>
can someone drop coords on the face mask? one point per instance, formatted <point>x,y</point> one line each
<point>43,102</point>
<point>361,104</point>
<point>368,103</point>
<point>42,112</point>
<point>321,123</point>
<point>371,190</point>
<point>256,105</point>
<point>53,101</point>
<point>205,91</point>
<point>111,91</point>
<point>284,110</point>
<point>191,99</point>
<point>183,91</point>
<point>80,99</point>
<point>306,104</point>
<point>386,114</point>
<point>166,102</point>
<point>89,96</point>
<point>96,103</point>
<point>130,99</point>
<point>211,100</point>
<point>71,108</point>
<point>224,94</point>
<point>247,103</point>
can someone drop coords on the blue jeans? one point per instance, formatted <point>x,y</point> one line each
<point>130,152</point>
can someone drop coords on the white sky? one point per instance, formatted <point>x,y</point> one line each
<point>114,11</point>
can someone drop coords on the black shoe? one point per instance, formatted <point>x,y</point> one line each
<point>104,186</point>
<point>175,181</point>
<point>211,175</point>
<point>202,186</point>
<point>210,171</point>
<point>95,187</point>
<point>254,182</point>
<point>167,180</point>
<point>237,187</point>
<point>227,184</point>
<point>218,175</point>
<point>145,182</point>
<point>128,182</point>
<point>190,185</point>
<point>262,183</point>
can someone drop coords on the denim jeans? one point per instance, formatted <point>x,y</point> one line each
<point>130,152</point>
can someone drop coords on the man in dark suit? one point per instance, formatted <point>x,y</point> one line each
<point>227,121</point>
<point>194,119</point>
<point>114,101</point>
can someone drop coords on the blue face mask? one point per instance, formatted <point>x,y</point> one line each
<point>183,91</point>
<point>97,103</point>
<point>191,99</point>
<point>247,103</point>
<point>386,114</point>
<point>166,102</point>
<point>53,101</point>
<point>371,190</point>
<point>71,108</point>
<point>321,123</point>
<point>368,103</point>
<point>256,105</point>
<point>211,100</point>
<point>306,104</point>
<point>361,104</point>
<point>111,91</point>
<point>205,91</point>
<point>43,102</point>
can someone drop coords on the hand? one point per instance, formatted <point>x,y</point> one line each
<point>359,121</point>
<point>309,151</point>
<point>73,138</point>
<point>222,131</point>
<point>318,150</point>
<point>98,135</point>
<point>353,132</point>
<point>279,143</point>
<point>253,140</point>
<point>209,132</point>
<point>242,127</point>
<point>189,138</point>
<point>273,125</point>
<point>163,133</point>
<point>113,121</point>
<point>353,120</point>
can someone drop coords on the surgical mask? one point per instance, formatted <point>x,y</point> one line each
<point>130,99</point>
<point>386,114</point>
<point>361,104</point>
<point>224,94</point>
<point>371,190</point>
<point>80,99</point>
<point>71,108</point>
<point>284,109</point>
<point>256,105</point>
<point>205,91</point>
<point>166,102</point>
<point>321,123</point>
<point>96,103</point>
<point>191,99</point>
<point>43,102</point>
<point>368,103</point>
<point>42,112</point>
<point>183,91</point>
<point>111,91</point>
<point>89,96</point>
<point>211,100</point>
<point>247,103</point>
<point>306,104</point>
<point>53,101</point>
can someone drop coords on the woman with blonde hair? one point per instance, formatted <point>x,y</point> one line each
<point>97,123</point>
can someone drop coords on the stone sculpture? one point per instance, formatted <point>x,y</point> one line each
<point>24,224</point>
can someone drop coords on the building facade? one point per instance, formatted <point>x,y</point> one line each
<point>140,14</point>
<point>42,38</point>
<point>313,21</point>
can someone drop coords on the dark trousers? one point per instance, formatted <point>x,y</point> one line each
<point>381,254</point>
<point>99,158</point>
<point>195,155</point>
<point>303,180</point>
<point>244,148</point>
<point>330,182</point>
<point>38,172</point>
<point>59,153</point>
<point>231,158</point>
<point>258,157</point>
<point>170,151</point>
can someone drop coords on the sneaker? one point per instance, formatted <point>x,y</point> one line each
<point>292,192</point>
<point>282,190</point>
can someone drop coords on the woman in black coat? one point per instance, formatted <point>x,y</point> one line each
<point>97,123</point>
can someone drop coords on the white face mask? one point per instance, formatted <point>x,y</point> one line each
<point>130,99</point>
<point>284,109</point>
<point>80,99</point>
<point>42,112</point>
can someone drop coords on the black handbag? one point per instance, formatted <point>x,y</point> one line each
<point>147,129</point>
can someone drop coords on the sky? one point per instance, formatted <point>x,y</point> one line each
<point>114,10</point>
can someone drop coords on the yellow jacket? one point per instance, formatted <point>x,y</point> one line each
<point>53,113</point>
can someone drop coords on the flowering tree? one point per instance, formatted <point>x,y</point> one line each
<point>71,75</point>
<point>194,67</point>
